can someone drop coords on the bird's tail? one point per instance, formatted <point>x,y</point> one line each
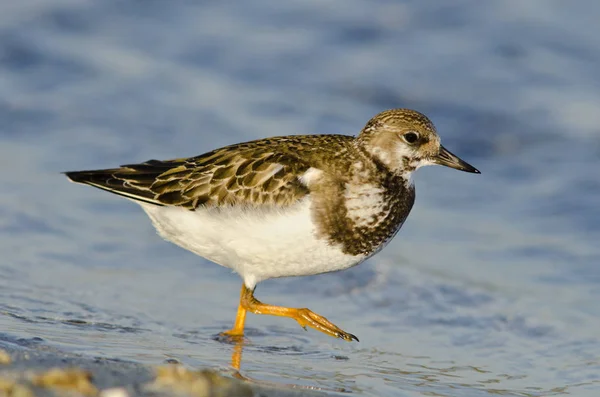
<point>131,181</point>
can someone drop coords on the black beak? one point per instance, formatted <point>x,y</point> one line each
<point>447,159</point>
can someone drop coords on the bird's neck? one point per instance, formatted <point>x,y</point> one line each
<point>387,163</point>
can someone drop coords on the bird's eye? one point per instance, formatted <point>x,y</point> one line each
<point>411,137</point>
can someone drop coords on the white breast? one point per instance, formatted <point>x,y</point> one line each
<point>256,243</point>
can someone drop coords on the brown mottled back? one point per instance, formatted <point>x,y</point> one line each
<point>262,172</point>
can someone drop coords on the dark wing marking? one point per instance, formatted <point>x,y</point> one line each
<point>232,177</point>
<point>255,173</point>
<point>116,180</point>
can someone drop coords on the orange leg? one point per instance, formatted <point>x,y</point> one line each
<point>303,316</point>
<point>240,319</point>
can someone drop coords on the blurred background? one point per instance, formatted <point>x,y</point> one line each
<point>491,287</point>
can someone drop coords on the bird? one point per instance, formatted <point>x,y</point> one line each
<point>286,206</point>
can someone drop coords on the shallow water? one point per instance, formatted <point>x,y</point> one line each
<point>490,288</point>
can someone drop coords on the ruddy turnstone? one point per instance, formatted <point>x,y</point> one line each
<point>286,206</point>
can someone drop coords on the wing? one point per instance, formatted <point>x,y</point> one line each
<point>255,173</point>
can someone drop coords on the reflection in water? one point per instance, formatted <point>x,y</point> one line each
<point>236,356</point>
<point>435,380</point>
<point>236,362</point>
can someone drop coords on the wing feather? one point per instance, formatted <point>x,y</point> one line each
<point>247,175</point>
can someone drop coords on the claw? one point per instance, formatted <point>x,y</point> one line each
<point>351,337</point>
<point>347,337</point>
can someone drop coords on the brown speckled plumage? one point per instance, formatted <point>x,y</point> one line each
<point>286,206</point>
<point>331,209</point>
<point>268,172</point>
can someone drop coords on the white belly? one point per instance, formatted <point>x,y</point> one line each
<point>258,244</point>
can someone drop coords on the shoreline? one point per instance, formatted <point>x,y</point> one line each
<point>33,368</point>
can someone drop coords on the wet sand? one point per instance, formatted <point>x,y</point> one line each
<point>30,368</point>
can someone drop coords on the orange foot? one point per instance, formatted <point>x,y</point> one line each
<point>304,317</point>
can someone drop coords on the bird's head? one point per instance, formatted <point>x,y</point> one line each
<point>404,140</point>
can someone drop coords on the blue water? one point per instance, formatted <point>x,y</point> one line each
<point>491,287</point>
